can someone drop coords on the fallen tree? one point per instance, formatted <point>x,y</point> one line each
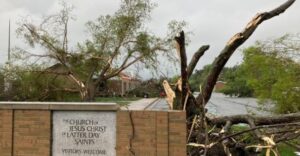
<point>209,135</point>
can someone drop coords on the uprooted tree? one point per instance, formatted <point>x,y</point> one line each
<point>209,135</point>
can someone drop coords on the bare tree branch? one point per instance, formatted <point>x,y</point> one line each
<point>58,53</point>
<point>109,63</point>
<point>123,67</point>
<point>196,58</point>
<point>258,127</point>
<point>127,63</point>
<point>289,136</point>
<point>232,45</point>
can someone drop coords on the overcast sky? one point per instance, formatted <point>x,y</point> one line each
<point>212,22</point>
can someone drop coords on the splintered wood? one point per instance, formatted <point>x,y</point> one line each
<point>179,84</point>
<point>170,94</point>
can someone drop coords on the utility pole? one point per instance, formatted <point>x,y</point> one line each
<point>7,84</point>
<point>8,55</point>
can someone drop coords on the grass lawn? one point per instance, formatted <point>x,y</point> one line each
<point>284,150</point>
<point>119,100</point>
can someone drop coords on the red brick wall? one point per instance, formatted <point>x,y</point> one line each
<point>32,133</point>
<point>155,133</point>
<point>219,86</point>
<point>5,132</point>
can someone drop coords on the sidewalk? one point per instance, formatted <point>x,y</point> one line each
<point>139,104</point>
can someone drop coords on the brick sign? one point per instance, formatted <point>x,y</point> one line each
<point>84,133</point>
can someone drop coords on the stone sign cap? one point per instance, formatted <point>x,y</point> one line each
<point>60,106</point>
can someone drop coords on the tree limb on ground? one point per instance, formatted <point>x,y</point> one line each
<point>258,120</point>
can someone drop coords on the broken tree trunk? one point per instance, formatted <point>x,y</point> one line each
<point>180,41</point>
<point>195,106</point>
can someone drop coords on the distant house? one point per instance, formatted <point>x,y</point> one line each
<point>219,86</point>
<point>57,69</point>
<point>60,73</point>
<point>118,85</point>
<point>122,83</point>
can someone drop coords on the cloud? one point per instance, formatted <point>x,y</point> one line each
<point>33,6</point>
<point>212,22</point>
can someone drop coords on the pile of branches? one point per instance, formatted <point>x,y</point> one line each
<point>211,135</point>
<point>242,134</point>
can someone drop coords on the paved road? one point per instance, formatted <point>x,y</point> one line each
<point>219,105</point>
<point>139,104</point>
<point>160,104</point>
<point>148,104</point>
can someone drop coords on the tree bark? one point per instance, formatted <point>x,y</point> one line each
<point>257,120</point>
<point>91,92</point>
<point>196,58</point>
<point>180,40</point>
